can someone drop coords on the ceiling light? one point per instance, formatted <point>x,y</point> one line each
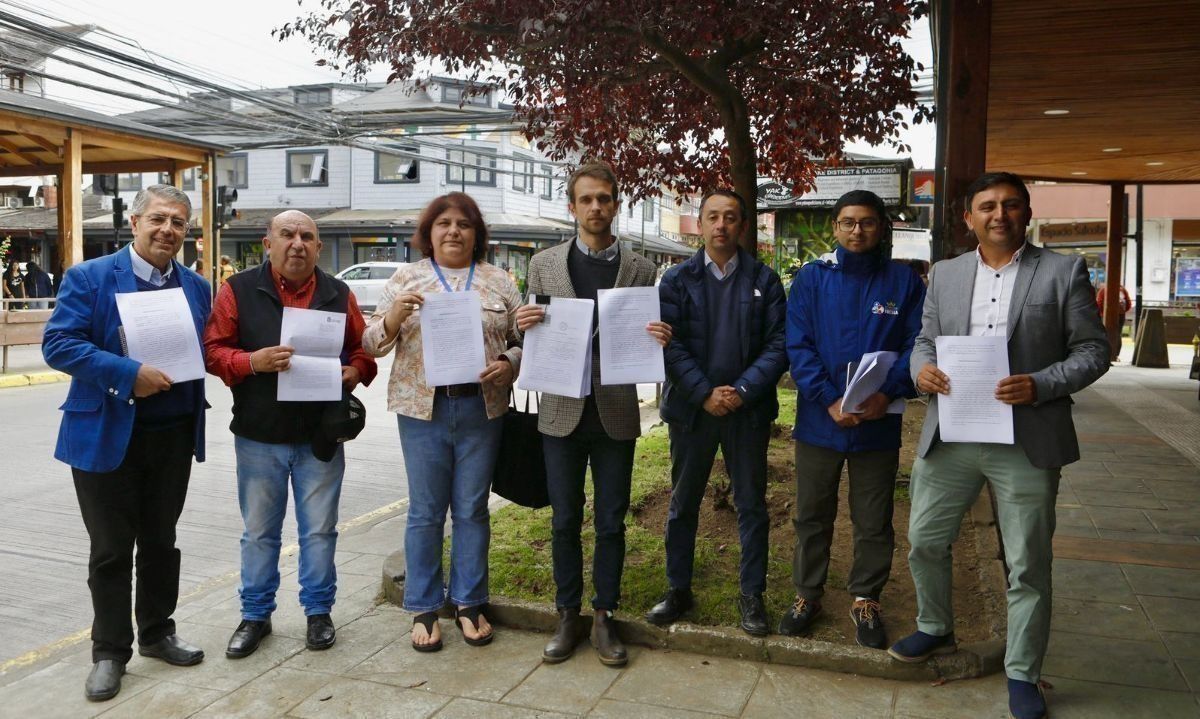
<point>1111,149</point>
<point>1155,164</point>
<point>1078,173</point>
<point>1056,112</point>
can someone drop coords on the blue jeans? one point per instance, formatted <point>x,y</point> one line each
<point>450,460</point>
<point>567,460</point>
<point>263,471</point>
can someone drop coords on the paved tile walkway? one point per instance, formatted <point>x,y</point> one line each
<point>1125,640</point>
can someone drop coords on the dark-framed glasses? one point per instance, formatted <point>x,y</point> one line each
<point>868,224</point>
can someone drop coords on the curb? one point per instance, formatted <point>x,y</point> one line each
<point>972,660</point>
<point>32,378</point>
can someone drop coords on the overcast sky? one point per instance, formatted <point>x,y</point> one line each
<point>230,41</point>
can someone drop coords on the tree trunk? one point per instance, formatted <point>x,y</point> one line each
<point>743,168</point>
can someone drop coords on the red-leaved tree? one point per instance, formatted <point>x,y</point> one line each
<point>692,94</point>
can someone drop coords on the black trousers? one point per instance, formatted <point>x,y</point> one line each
<point>743,445</point>
<point>138,503</point>
<point>567,460</point>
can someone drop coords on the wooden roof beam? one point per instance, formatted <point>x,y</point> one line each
<point>89,168</point>
<point>15,149</point>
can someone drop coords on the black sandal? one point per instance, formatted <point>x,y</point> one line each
<point>472,614</point>
<point>427,620</point>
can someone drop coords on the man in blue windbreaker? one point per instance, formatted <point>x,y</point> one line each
<point>849,302</point>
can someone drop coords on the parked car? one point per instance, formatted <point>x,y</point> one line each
<point>366,281</point>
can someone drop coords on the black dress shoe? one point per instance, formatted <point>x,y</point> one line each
<point>671,607</point>
<point>104,681</point>
<point>173,650</point>
<point>320,632</point>
<point>604,638</point>
<point>799,618</point>
<point>754,615</point>
<point>247,637</point>
<point>562,644</point>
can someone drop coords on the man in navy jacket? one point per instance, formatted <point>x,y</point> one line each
<point>129,434</point>
<point>726,311</point>
<point>851,301</point>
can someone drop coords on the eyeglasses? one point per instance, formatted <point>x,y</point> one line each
<point>158,221</point>
<point>868,224</point>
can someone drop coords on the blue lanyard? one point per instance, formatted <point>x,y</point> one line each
<point>442,279</point>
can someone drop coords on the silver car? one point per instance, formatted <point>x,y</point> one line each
<point>366,281</point>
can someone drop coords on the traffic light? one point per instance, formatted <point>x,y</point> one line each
<point>226,196</point>
<point>118,213</point>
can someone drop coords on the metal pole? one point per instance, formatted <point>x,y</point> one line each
<point>1137,265</point>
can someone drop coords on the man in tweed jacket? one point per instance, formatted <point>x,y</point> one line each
<point>600,429</point>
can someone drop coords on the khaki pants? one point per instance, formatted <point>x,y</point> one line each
<point>944,486</point>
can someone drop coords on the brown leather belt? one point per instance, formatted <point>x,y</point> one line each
<point>459,390</point>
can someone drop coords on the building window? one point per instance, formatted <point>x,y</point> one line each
<point>322,96</point>
<point>307,168</point>
<point>233,171</point>
<point>129,181</point>
<point>397,168</point>
<point>648,209</point>
<point>547,183</point>
<point>189,179</point>
<point>454,93</point>
<point>16,81</point>
<point>522,176</point>
<point>470,167</point>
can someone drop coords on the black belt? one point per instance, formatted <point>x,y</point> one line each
<point>469,389</point>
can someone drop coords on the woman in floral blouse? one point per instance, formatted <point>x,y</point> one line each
<point>450,435</point>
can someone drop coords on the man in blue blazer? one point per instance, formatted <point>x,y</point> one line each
<point>726,310</point>
<point>129,433</point>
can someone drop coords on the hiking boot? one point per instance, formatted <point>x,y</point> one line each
<point>800,617</point>
<point>868,622</point>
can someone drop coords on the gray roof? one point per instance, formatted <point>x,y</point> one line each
<point>34,50</point>
<point>70,114</point>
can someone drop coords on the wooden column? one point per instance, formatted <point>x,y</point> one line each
<point>70,200</point>
<point>1114,253</point>
<point>208,175</point>
<point>963,68</point>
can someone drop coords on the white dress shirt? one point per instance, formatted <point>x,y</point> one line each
<point>147,272</point>
<point>608,254</point>
<point>992,296</point>
<point>713,267</point>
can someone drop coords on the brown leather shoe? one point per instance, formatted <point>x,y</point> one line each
<point>562,644</point>
<point>604,638</point>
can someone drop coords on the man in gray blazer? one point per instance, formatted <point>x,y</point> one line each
<point>1044,304</point>
<point>600,429</point>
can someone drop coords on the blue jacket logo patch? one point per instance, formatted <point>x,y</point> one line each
<point>888,308</point>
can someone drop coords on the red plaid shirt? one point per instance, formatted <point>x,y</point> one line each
<point>225,359</point>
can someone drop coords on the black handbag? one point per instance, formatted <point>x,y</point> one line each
<point>520,475</point>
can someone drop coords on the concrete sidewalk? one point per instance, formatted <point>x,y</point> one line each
<point>1125,639</point>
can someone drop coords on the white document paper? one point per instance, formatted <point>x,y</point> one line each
<point>628,353</point>
<point>160,332</point>
<point>971,412</point>
<point>865,378</point>
<point>557,354</point>
<point>452,338</point>
<point>314,373</point>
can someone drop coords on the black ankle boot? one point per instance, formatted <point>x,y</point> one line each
<point>604,638</point>
<point>562,644</point>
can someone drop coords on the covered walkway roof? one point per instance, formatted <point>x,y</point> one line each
<point>45,137</point>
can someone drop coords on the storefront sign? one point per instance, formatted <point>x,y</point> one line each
<point>1073,232</point>
<point>832,184</point>
<point>922,187</point>
<point>1187,277</point>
